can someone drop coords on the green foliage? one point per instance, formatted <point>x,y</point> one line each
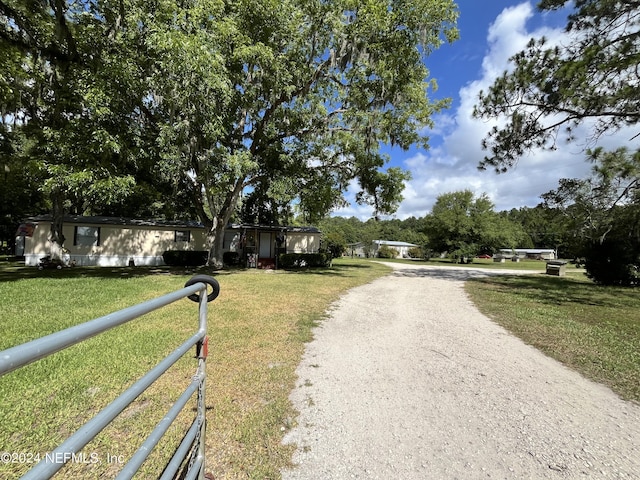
<point>20,194</point>
<point>266,206</point>
<point>204,99</point>
<point>76,109</point>
<point>464,226</point>
<point>553,89</point>
<point>541,228</point>
<point>615,261</point>
<point>416,252</point>
<point>231,258</point>
<point>354,230</point>
<point>386,251</point>
<point>335,244</point>
<point>602,215</point>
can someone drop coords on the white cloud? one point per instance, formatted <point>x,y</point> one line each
<point>452,164</point>
<point>363,212</point>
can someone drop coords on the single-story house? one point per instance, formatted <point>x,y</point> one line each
<point>115,241</point>
<point>401,247</point>
<point>258,244</point>
<point>356,250</point>
<point>530,253</point>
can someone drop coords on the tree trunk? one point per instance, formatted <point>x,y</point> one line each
<point>219,224</point>
<point>216,242</point>
<point>56,236</point>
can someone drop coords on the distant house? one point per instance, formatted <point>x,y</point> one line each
<point>115,241</point>
<point>356,250</point>
<point>401,247</point>
<point>529,253</point>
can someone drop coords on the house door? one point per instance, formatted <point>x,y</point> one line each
<point>265,245</point>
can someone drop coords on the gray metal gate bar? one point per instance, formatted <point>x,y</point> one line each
<point>29,352</point>
<point>196,470</point>
<point>93,427</point>
<point>138,458</point>
<point>181,452</point>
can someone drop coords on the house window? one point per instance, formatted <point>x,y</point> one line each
<point>89,236</point>
<point>182,235</point>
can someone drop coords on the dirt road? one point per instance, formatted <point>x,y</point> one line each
<point>407,380</point>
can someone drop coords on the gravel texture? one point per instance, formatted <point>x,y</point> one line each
<point>406,379</point>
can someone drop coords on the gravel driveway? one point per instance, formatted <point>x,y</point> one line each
<point>406,379</point>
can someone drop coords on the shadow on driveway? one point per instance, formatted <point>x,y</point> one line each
<point>456,274</point>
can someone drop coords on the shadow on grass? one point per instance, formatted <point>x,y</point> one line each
<point>551,290</point>
<point>13,271</point>
<point>334,270</point>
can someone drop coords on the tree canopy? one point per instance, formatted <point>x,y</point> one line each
<point>464,226</point>
<point>552,89</point>
<point>602,214</point>
<point>210,97</point>
<point>310,96</point>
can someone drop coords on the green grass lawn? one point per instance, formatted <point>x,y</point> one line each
<point>533,265</point>
<point>592,329</point>
<point>257,330</point>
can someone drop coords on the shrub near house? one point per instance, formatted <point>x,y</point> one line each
<point>387,252</point>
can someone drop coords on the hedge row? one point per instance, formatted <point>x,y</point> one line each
<point>299,260</point>
<point>183,258</point>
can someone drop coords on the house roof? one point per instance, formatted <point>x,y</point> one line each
<point>273,228</point>
<point>390,243</point>
<point>528,250</point>
<point>98,220</point>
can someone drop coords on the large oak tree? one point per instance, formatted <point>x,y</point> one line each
<point>295,98</point>
<point>290,98</point>
<point>464,226</point>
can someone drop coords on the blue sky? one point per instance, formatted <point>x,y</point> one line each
<point>491,31</point>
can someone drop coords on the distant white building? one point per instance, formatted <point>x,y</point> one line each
<point>401,247</point>
<point>531,253</point>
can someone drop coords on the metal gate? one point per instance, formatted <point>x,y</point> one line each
<point>201,289</point>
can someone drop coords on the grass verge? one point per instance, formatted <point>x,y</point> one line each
<point>257,330</point>
<point>592,329</point>
<point>533,265</point>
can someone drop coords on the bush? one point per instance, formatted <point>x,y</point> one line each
<point>185,258</point>
<point>416,252</point>
<point>613,262</point>
<point>335,244</point>
<point>387,252</point>
<point>231,258</point>
<point>300,260</point>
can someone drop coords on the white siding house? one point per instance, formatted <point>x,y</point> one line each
<point>113,241</point>
<point>401,247</point>
<point>531,253</point>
